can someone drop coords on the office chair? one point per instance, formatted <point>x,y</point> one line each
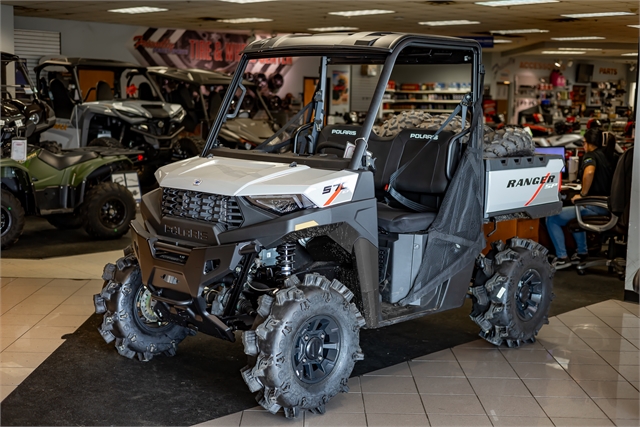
<point>613,226</point>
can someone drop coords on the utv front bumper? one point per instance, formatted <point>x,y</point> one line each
<point>180,269</point>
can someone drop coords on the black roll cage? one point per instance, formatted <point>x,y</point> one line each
<point>440,51</point>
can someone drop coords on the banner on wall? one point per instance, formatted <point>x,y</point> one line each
<point>208,51</point>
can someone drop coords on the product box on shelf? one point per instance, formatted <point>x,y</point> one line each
<point>409,86</point>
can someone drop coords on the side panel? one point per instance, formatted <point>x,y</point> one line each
<point>64,133</point>
<point>522,184</point>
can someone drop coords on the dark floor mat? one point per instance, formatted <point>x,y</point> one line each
<point>85,382</point>
<point>58,242</point>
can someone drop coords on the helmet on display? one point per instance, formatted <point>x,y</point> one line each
<point>594,124</point>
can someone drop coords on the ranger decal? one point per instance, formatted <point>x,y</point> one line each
<point>531,181</point>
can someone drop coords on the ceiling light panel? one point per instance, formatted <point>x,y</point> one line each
<point>563,52</point>
<point>141,9</point>
<point>580,48</point>
<point>325,29</point>
<point>520,31</point>
<point>567,39</point>
<point>596,14</point>
<point>362,12</point>
<point>629,54</point>
<point>246,1</point>
<point>444,23</point>
<point>244,20</point>
<point>513,2</point>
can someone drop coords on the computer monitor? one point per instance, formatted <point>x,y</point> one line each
<point>552,150</point>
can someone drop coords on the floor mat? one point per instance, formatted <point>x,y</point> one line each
<point>85,382</point>
<point>59,242</point>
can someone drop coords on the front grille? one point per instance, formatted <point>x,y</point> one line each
<point>201,206</point>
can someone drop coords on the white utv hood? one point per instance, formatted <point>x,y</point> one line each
<point>237,177</point>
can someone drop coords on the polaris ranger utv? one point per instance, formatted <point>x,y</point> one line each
<point>299,250</point>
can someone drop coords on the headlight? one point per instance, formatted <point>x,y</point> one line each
<point>281,204</point>
<point>35,118</point>
<point>179,115</point>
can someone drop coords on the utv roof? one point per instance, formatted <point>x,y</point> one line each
<point>106,64</point>
<point>195,75</point>
<point>9,57</point>
<point>192,75</point>
<point>362,43</point>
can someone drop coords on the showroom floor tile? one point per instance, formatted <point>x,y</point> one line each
<point>35,314</point>
<point>561,380</point>
<point>583,370</point>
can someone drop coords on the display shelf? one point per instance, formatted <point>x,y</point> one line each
<point>428,110</point>
<point>423,92</point>
<point>426,101</point>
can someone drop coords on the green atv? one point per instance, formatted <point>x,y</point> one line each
<point>71,190</point>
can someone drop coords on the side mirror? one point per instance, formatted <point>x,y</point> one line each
<point>30,128</point>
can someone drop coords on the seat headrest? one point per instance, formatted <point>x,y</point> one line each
<point>103,91</point>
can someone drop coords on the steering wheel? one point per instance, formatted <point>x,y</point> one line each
<point>279,145</point>
<point>296,133</point>
<point>88,93</point>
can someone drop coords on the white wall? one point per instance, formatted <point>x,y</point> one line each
<point>294,79</point>
<point>84,39</point>
<point>6,28</point>
<point>633,243</point>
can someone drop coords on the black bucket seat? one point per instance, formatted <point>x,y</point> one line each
<point>63,161</point>
<point>62,102</point>
<point>103,91</point>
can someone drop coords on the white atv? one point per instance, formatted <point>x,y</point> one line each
<point>301,249</point>
<point>114,104</point>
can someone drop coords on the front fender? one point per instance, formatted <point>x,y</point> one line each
<point>16,179</point>
<point>99,168</point>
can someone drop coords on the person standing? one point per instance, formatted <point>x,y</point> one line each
<point>598,165</point>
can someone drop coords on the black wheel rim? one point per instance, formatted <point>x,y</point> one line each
<point>5,220</point>
<point>529,294</point>
<point>113,213</point>
<point>316,349</point>
<point>146,315</point>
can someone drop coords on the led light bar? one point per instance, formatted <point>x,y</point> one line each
<point>362,12</point>
<point>443,23</point>
<point>634,26</point>
<point>520,31</point>
<point>567,39</point>
<point>325,29</point>
<point>497,41</point>
<point>630,54</point>
<point>244,20</point>
<point>596,14</point>
<point>499,3</point>
<point>141,9</point>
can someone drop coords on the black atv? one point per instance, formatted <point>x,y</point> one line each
<point>20,97</point>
